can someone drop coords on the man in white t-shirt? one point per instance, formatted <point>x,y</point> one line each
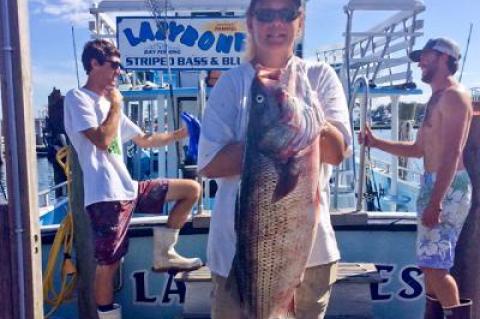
<point>220,154</point>
<point>97,129</point>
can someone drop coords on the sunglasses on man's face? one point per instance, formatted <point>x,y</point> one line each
<point>115,64</point>
<point>269,15</point>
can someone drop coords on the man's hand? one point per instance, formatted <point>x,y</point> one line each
<point>103,135</point>
<point>431,215</point>
<point>180,134</point>
<point>369,139</point>
<point>114,96</point>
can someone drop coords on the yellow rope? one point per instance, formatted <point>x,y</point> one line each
<point>63,240</point>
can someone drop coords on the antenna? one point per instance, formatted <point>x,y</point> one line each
<point>466,52</point>
<point>75,55</point>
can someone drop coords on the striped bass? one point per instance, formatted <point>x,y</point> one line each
<point>276,214</point>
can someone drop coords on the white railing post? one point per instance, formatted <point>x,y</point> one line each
<point>394,137</point>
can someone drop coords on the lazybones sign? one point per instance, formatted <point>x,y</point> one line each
<point>192,43</point>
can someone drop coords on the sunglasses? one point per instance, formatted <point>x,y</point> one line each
<point>115,64</point>
<point>270,15</point>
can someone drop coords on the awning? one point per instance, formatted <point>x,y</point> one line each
<point>173,5</point>
<point>386,5</point>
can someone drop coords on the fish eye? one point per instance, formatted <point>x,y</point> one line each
<point>259,98</point>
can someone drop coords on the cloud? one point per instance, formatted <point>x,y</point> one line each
<point>73,11</point>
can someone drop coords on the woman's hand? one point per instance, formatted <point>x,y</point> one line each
<point>269,77</point>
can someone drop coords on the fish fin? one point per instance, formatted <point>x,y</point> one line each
<point>287,180</point>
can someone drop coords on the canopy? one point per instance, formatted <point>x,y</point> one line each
<point>384,5</point>
<point>173,5</point>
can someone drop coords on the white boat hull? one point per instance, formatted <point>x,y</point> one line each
<point>385,239</point>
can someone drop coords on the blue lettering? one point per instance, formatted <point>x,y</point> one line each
<point>148,61</point>
<point>169,290</point>
<point>140,291</point>
<point>240,41</point>
<point>224,43</point>
<point>375,287</point>
<point>175,30</point>
<point>226,60</point>
<point>409,276</point>
<point>162,28</point>
<point>189,37</point>
<point>132,40</point>
<point>146,32</point>
<point>206,41</point>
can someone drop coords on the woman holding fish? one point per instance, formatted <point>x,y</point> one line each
<point>271,131</point>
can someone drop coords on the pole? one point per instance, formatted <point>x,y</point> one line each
<point>155,6</point>
<point>75,56</point>
<point>361,84</point>
<point>86,264</point>
<point>394,137</point>
<point>466,52</point>
<point>24,265</point>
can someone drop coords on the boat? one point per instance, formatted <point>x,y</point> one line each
<point>365,234</point>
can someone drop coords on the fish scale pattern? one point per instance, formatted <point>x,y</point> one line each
<point>274,237</point>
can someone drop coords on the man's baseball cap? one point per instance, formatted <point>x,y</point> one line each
<point>442,45</point>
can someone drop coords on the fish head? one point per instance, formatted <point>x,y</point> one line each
<point>274,131</point>
<point>265,103</point>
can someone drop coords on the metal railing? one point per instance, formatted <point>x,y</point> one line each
<point>45,196</point>
<point>385,167</point>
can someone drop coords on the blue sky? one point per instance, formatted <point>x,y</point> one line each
<point>52,48</point>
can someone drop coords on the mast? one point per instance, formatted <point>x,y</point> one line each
<point>466,52</point>
<point>20,235</point>
<point>74,43</point>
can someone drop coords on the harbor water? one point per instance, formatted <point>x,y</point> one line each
<point>44,177</point>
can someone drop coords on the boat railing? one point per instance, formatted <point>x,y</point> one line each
<point>361,84</point>
<point>376,64</point>
<point>46,196</point>
<point>381,53</point>
<point>385,167</point>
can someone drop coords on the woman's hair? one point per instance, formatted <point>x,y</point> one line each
<point>250,48</point>
<point>253,3</point>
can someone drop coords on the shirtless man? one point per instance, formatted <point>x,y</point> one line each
<point>444,197</point>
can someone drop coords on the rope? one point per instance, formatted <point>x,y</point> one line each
<point>63,240</point>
